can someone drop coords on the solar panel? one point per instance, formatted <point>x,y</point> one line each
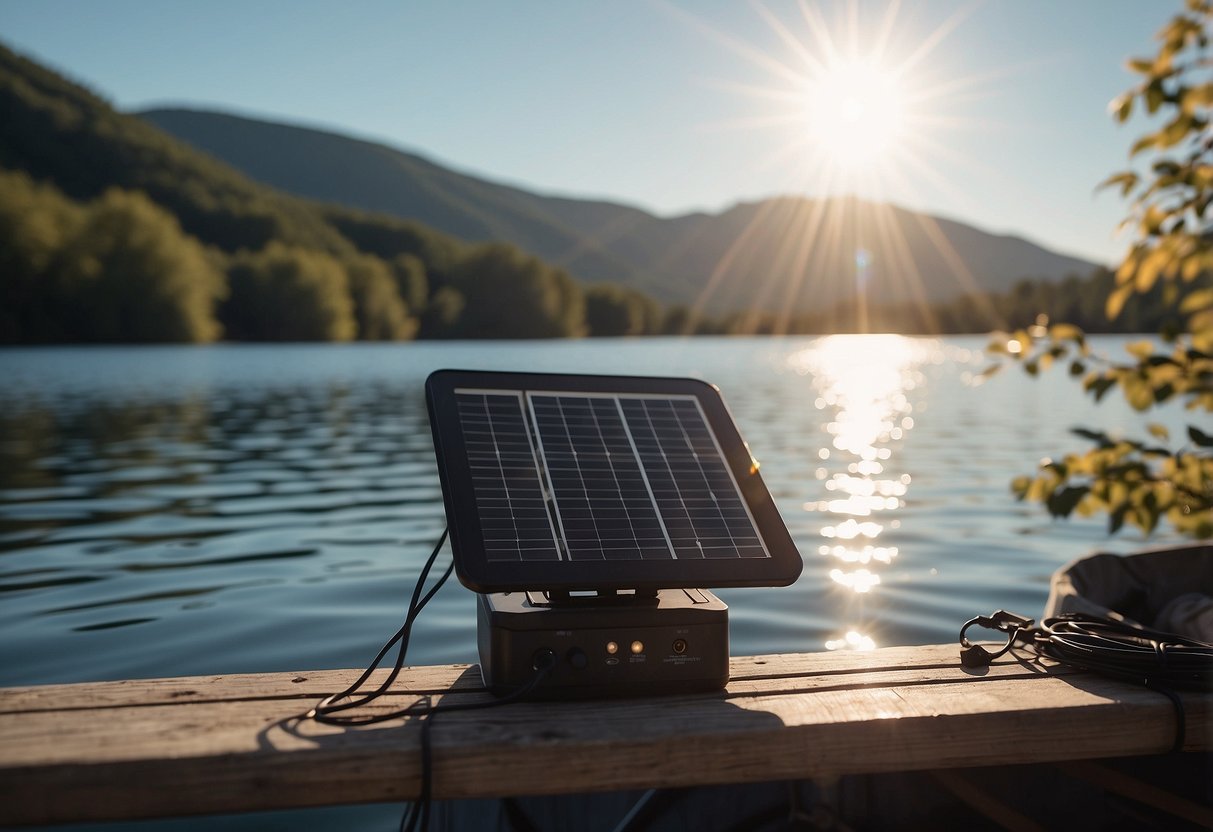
<point>594,482</point>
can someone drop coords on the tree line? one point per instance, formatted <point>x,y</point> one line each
<point>1078,299</point>
<point>120,268</point>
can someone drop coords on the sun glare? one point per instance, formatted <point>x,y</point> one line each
<point>855,113</point>
<point>851,110</point>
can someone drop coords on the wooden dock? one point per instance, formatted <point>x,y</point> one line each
<point>167,747</point>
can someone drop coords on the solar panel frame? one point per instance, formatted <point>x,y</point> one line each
<point>607,415</point>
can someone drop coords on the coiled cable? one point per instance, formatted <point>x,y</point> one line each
<point>1161,661</point>
<point>336,709</point>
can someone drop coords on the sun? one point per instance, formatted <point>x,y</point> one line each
<point>854,105</point>
<point>855,113</point>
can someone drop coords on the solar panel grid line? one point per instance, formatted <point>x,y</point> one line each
<point>673,502</point>
<point>542,460</point>
<point>594,475</point>
<point>505,477</point>
<point>627,476</point>
<point>678,432</point>
<point>615,477</point>
<point>643,505</point>
<point>735,499</point>
<point>648,486</point>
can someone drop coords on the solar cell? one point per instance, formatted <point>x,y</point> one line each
<point>602,499</point>
<point>700,505</point>
<point>505,477</point>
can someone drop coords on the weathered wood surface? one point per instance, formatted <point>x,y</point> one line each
<point>147,748</point>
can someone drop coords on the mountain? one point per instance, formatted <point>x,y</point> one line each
<point>776,253</point>
<point>63,133</point>
<point>370,177</point>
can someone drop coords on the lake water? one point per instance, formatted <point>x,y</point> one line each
<point>168,511</point>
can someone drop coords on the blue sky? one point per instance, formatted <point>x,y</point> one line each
<point>671,106</point>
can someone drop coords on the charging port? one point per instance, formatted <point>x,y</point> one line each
<point>680,646</point>
<point>543,659</point>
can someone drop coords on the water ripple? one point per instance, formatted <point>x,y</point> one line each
<point>240,508</point>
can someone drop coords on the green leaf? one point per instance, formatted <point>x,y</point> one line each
<point>1116,301</point>
<point>1142,66</point>
<point>1094,435</point>
<point>1059,468</point>
<point>1144,143</point>
<point>1122,108</point>
<point>1127,181</point>
<point>1174,132</point>
<point>1064,332</point>
<point>1099,386</point>
<point>1199,437</point>
<point>1155,97</point>
<point>1148,512</point>
<point>1138,393</point>
<point>1141,350</point>
<point>1197,97</point>
<point>1061,503</point>
<point>1200,299</point>
<point>1077,368</point>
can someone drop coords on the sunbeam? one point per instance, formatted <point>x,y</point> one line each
<point>860,105</point>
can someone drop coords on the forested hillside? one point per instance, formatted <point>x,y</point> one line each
<point>111,230</point>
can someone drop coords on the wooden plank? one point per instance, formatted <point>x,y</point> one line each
<point>121,750</point>
<point>306,685</point>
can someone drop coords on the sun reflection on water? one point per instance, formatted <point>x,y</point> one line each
<point>851,641</point>
<point>863,385</point>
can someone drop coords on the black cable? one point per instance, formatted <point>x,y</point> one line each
<point>1160,661</point>
<point>1103,645</point>
<point>329,710</point>
<point>326,709</point>
<point>1125,651</point>
<point>418,816</point>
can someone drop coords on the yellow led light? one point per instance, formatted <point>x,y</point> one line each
<point>612,647</point>
<point>637,646</point>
